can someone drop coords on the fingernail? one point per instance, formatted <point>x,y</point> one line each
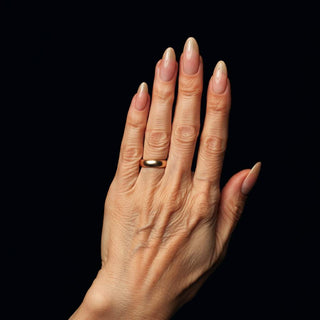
<point>168,65</point>
<point>142,96</point>
<point>191,58</point>
<point>251,179</point>
<point>220,75</point>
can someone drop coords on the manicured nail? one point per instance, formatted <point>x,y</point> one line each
<point>251,179</point>
<point>142,96</point>
<point>168,65</point>
<point>191,58</point>
<point>220,75</point>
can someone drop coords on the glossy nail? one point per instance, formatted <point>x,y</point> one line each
<point>191,57</point>
<point>142,96</point>
<point>168,65</point>
<point>251,179</point>
<point>219,78</point>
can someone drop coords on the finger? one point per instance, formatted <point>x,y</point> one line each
<point>214,135</point>
<point>158,131</point>
<point>233,198</point>
<point>132,142</point>
<point>186,123</point>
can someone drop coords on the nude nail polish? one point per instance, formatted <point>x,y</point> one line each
<point>142,96</point>
<point>219,78</point>
<point>191,57</point>
<point>168,65</point>
<point>251,179</point>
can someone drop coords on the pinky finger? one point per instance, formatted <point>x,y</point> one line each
<point>132,142</point>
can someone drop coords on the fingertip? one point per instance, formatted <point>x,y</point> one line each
<point>219,78</point>
<point>251,179</point>
<point>191,57</point>
<point>168,65</point>
<point>141,97</point>
<point>143,88</point>
<point>232,203</point>
<point>233,186</point>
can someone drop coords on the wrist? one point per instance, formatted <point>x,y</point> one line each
<point>96,304</point>
<point>105,301</point>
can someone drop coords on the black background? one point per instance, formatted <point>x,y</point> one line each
<point>70,70</point>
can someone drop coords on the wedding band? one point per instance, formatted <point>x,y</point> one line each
<point>153,163</point>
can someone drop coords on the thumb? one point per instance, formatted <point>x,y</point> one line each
<point>233,198</point>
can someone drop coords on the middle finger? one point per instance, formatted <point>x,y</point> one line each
<point>186,123</point>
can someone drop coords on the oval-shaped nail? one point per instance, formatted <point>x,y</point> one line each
<point>168,65</point>
<point>251,179</point>
<point>191,57</point>
<point>219,78</point>
<point>142,96</point>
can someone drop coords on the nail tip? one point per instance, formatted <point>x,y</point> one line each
<point>257,166</point>
<point>251,179</point>
<point>255,170</point>
<point>169,54</point>
<point>220,75</point>
<point>191,39</point>
<point>221,65</point>
<point>143,87</point>
<point>191,42</point>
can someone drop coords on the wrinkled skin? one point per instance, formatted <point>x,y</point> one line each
<point>166,229</point>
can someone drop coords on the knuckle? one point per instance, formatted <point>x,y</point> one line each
<point>203,209</point>
<point>213,146</point>
<point>202,205</point>
<point>206,205</point>
<point>173,204</point>
<point>189,92</point>
<point>217,104</point>
<point>190,87</point>
<point>157,139</point>
<point>186,134</point>
<point>163,94</point>
<point>174,198</point>
<point>233,210</point>
<point>135,122</point>
<point>134,129</point>
<point>130,153</point>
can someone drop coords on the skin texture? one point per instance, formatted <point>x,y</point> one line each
<point>166,229</point>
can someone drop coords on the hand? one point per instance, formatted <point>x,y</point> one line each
<point>166,229</point>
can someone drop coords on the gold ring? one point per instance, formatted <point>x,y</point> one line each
<point>153,163</point>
